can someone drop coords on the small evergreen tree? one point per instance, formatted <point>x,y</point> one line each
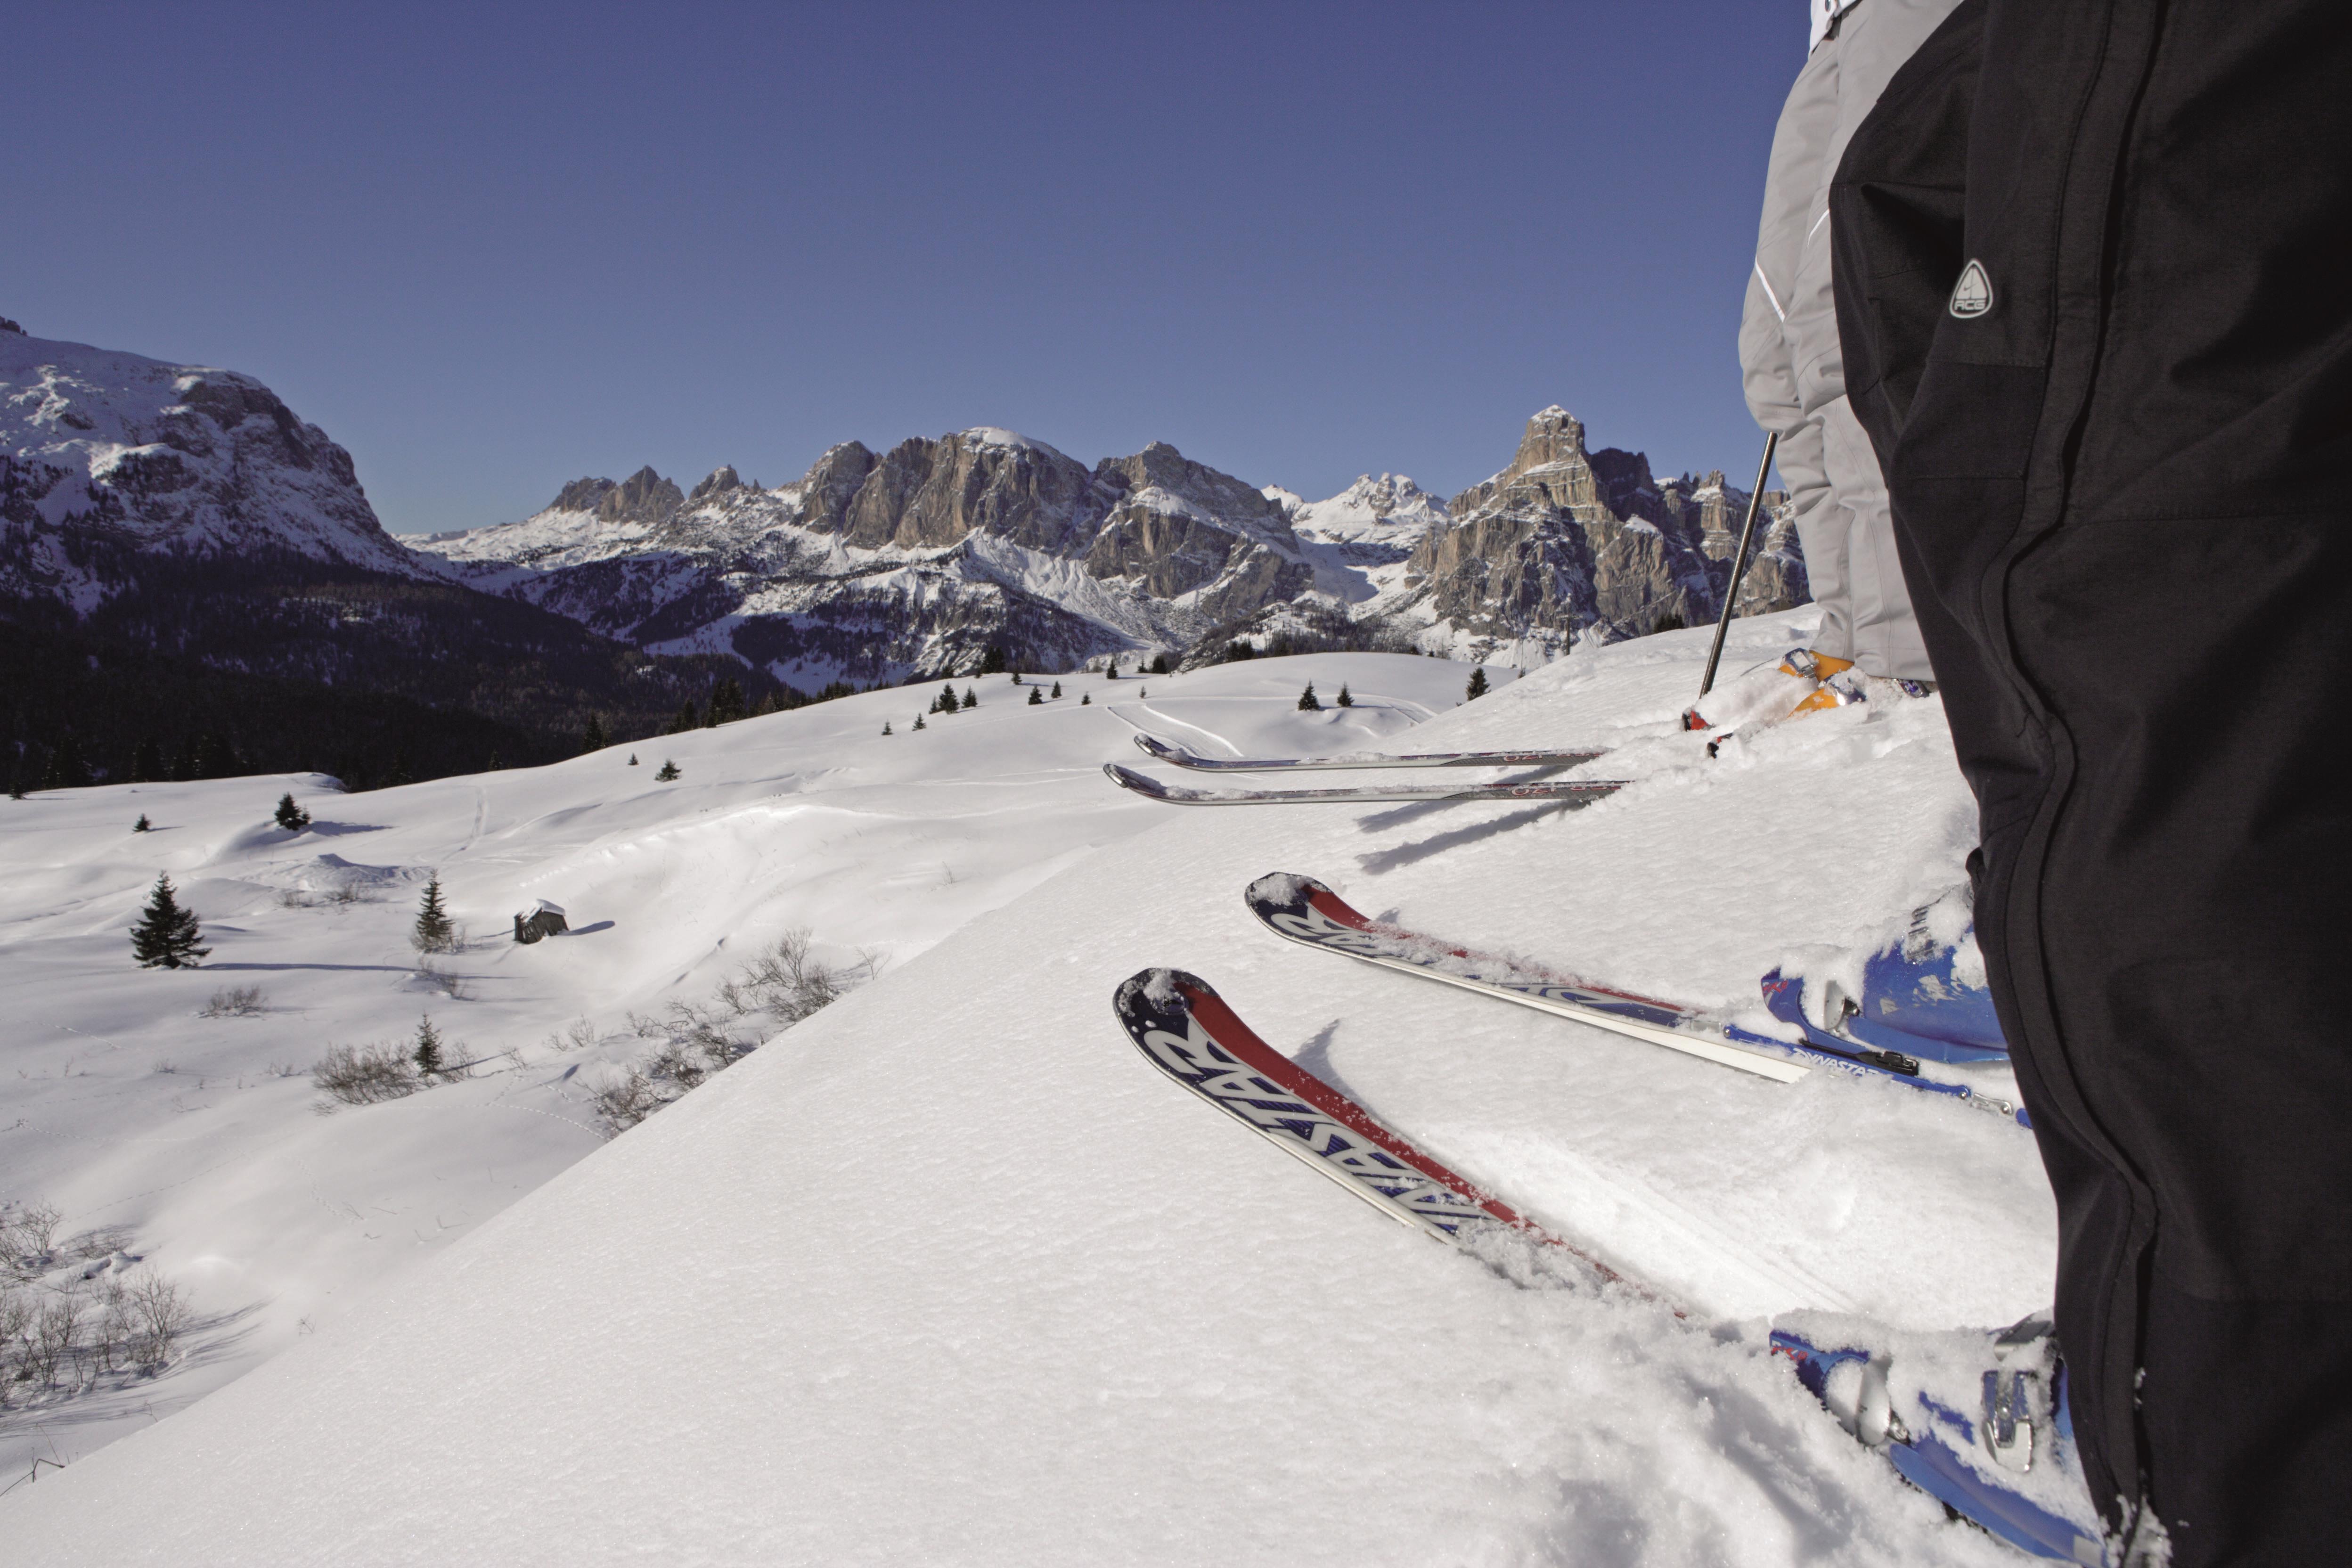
<point>1016,677</point>
<point>1347,697</point>
<point>1058,690</point>
<point>1085,699</point>
<point>143,825</point>
<point>435,932</point>
<point>1306,702</point>
<point>1110,670</point>
<point>668,771</point>
<point>1477,687</point>
<point>1159,664</point>
<point>945,702</point>
<point>288,816</point>
<point>886,726</point>
<point>427,1055</point>
<point>166,934</point>
<point>689,716</point>
<point>918,721</point>
<point>970,698</point>
<point>592,738</point>
<point>1036,696</point>
<point>633,759</point>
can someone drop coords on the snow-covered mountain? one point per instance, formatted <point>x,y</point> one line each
<point>188,567</point>
<point>880,567</point>
<point>945,1274</point>
<point>100,449</point>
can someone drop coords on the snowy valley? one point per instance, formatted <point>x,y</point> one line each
<point>944,1273</point>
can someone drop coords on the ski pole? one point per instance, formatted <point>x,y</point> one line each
<point>1739,562</point>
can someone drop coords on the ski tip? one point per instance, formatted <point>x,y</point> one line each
<point>1141,784</point>
<point>1161,751</point>
<point>1151,993</point>
<point>1281,889</point>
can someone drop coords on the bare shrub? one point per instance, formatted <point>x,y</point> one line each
<point>363,1075</point>
<point>235,1001</point>
<point>789,984</point>
<point>158,1314</point>
<point>625,1099</point>
<point>785,983</point>
<point>450,985</point>
<point>297,898</point>
<point>27,1234</point>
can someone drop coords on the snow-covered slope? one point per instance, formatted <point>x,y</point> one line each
<point>946,1275</point>
<point>195,459</point>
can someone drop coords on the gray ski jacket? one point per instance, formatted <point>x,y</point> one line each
<point>1793,373</point>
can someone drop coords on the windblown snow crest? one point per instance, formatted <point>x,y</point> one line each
<point>914,561</point>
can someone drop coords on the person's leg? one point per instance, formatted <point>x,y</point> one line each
<point>1884,631</point>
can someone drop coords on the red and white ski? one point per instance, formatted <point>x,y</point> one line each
<point>1186,1030</point>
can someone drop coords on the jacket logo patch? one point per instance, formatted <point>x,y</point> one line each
<point>1972,295</point>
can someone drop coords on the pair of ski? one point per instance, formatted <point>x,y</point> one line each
<point>1190,1035</point>
<point>1575,791</point>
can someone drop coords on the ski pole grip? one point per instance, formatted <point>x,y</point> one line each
<point>1739,562</point>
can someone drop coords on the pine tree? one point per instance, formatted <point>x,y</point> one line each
<point>143,825</point>
<point>1159,664</point>
<point>1477,683</point>
<point>689,716</point>
<point>1306,702</point>
<point>992,662</point>
<point>166,934</point>
<point>1346,699</point>
<point>726,703</point>
<point>667,771</point>
<point>1110,670</point>
<point>1085,699</point>
<point>633,759</point>
<point>970,699</point>
<point>947,702</point>
<point>427,1055</point>
<point>886,726</point>
<point>435,933</point>
<point>592,738</point>
<point>1036,696</point>
<point>1058,690</point>
<point>288,816</point>
<point>918,721</point>
<point>1016,677</point>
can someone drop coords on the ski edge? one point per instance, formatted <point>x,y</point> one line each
<point>1763,1063</point>
<point>1181,756</point>
<point>1571,791</point>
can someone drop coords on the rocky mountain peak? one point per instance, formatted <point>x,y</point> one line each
<point>579,495</point>
<point>723,480</point>
<point>1553,435</point>
<point>1162,467</point>
<point>643,497</point>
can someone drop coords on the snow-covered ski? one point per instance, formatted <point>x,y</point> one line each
<point>1186,1030</point>
<point>1189,1032</point>
<point>1578,791</point>
<point>1168,752</point>
<point>1306,912</point>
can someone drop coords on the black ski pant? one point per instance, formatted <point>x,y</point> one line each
<point>2093,277</point>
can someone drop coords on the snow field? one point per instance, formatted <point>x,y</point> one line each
<point>945,1275</point>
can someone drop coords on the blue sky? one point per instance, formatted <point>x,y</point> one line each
<point>492,248</point>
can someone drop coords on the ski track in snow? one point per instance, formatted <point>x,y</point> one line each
<point>944,1275</point>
